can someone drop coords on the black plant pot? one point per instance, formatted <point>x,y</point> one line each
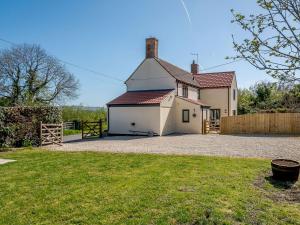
<point>285,169</point>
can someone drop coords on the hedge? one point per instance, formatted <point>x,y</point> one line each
<point>20,126</point>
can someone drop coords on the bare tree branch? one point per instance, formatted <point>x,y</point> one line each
<point>28,75</point>
<point>273,44</point>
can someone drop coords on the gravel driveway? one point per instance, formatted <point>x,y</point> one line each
<point>195,144</point>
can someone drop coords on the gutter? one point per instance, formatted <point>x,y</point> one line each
<point>133,105</point>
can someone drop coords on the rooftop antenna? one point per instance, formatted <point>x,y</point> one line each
<point>197,56</point>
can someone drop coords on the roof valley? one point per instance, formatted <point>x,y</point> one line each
<point>202,80</point>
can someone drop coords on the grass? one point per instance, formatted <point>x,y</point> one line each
<point>71,132</point>
<point>98,188</point>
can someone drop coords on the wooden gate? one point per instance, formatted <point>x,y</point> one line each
<point>51,134</point>
<point>214,126</point>
<point>205,127</point>
<point>91,129</point>
<point>69,125</point>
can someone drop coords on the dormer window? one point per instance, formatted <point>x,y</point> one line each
<point>185,91</point>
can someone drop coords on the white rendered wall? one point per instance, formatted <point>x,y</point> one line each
<point>195,124</point>
<point>146,118</point>
<point>150,75</point>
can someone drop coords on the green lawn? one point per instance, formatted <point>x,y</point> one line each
<point>93,188</point>
<point>71,132</point>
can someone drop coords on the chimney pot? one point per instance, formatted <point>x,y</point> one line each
<point>151,48</point>
<point>194,68</point>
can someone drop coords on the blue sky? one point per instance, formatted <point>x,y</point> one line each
<point>109,36</point>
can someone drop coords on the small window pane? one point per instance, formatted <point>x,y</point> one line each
<point>234,94</point>
<point>185,91</point>
<point>185,116</point>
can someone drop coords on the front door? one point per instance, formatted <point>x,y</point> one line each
<point>215,115</point>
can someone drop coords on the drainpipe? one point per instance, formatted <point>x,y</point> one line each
<point>202,120</point>
<point>228,101</point>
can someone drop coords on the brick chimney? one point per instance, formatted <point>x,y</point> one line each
<point>151,48</point>
<point>194,68</point>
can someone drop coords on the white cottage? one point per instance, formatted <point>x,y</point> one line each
<point>162,98</point>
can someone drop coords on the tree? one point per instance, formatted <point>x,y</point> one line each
<point>245,101</point>
<point>273,44</point>
<point>291,99</point>
<point>267,96</point>
<point>29,76</point>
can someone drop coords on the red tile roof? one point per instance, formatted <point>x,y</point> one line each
<point>140,97</point>
<point>178,73</point>
<point>215,80</point>
<point>203,80</point>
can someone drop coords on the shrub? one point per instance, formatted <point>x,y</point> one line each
<point>20,126</point>
<point>77,114</point>
<point>80,113</point>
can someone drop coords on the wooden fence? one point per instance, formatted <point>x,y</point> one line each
<point>69,125</point>
<point>261,123</point>
<point>51,134</point>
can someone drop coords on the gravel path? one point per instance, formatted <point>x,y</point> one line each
<point>194,144</point>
